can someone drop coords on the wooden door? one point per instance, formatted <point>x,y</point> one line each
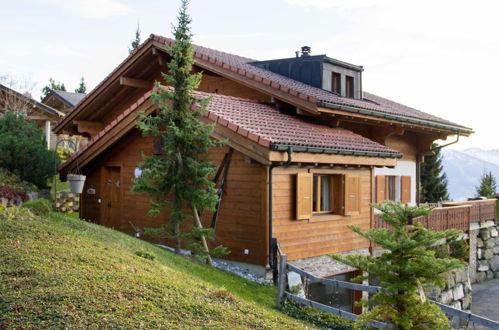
<point>112,201</point>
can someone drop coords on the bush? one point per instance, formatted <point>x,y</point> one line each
<point>10,180</point>
<point>40,207</point>
<point>13,195</point>
<point>14,213</point>
<point>24,150</point>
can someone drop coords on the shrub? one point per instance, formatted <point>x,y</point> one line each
<point>24,150</point>
<point>40,207</point>
<point>13,195</point>
<point>14,213</point>
<point>10,180</point>
<point>146,254</point>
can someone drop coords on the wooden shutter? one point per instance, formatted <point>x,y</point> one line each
<point>380,188</point>
<point>303,195</point>
<point>405,189</point>
<point>352,194</point>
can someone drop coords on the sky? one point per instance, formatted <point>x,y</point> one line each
<point>436,56</point>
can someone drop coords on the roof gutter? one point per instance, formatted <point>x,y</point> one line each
<point>395,117</point>
<point>330,151</point>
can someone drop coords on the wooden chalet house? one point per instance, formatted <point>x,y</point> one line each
<point>308,149</point>
<point>44,116</point>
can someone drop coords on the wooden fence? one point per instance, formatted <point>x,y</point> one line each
<point>284,267</point>
<point>453,215</point>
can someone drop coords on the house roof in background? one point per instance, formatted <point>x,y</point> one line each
<point>42,107</point>
<point>69,98</point>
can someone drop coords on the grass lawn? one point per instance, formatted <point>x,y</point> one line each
<point>62,272</point>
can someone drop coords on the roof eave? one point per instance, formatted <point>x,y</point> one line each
<point>455,129</point>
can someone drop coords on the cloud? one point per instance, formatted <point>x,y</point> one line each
<point>91,8</point>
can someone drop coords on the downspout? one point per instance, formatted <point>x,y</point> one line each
<point>418,165</point>
<point>271,167</point>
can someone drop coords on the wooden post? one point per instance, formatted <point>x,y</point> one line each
<point>281,283</point>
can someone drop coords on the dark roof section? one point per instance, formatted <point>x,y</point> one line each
<point>270,128</point>
<point>41,106</point>
<point>68,98</point>
<point>317,96</point>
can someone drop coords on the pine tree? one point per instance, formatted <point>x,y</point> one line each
<point>408,266</point>
<point>433,179</point>
<point>179,176</point>
<point>52,86</point>
<point>82,88</point>
<point>488,186</point>
<point>135,42</point>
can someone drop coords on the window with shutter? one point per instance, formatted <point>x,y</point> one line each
<point>405,189</point>
<point>352,194</point>
<point>303,195</point>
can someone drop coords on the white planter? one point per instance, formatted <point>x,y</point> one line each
<point>76,183</point>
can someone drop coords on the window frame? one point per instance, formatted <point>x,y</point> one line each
<point>349,86</point>
<point>336,82</point>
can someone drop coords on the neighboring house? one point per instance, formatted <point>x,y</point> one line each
<point>311,149</point>
<point>62,100</point>
<point>65,102</point>
<point>43,115</point>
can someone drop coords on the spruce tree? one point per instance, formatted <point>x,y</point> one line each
<point>488,186</point>
<point>52,86</point>
<point>433,178</point>
<point>82,89</point>
<point>408,265</point>
<point>135,42</point>
<point>179,176</point>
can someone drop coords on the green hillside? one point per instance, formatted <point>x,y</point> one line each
<point>61,272</point>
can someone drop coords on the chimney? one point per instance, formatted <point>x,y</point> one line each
<point>305,51</point>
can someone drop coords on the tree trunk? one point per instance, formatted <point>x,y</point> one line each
<point>203,239</point>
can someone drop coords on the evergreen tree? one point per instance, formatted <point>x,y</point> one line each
<point>179,176</point>
<point>135,42</point>
<point>52,86</point>
<point>82,89</point>
<point>408,266</point>
<point>488,186</point>
<point>23,150</point>
<point>433,178</point>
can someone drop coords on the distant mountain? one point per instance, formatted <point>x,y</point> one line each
<point>464,169</point>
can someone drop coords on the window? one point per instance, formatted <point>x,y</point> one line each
<point>336,83</point>
<point>318,194</point>
<point>349,92</point>
<point>394,188</point>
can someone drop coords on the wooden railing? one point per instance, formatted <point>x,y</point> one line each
<point>457,215</point>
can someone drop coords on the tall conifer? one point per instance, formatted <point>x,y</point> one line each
<point>433,179</point>
<point>178,177</point>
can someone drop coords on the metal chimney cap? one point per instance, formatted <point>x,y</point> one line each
<point>305,51</point>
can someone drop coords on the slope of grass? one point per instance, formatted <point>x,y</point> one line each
<point>62,272</point>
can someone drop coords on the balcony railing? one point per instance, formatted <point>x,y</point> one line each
<point>456,215</point>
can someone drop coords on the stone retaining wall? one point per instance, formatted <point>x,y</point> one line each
<point>457,291</point>
<point>486,254</point>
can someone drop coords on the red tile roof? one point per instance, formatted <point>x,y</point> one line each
<point>265,125</point>
<point>317,96</point>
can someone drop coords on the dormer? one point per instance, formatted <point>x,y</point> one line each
<point>320,71</point>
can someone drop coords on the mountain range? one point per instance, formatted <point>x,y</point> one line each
<point>465,168</point>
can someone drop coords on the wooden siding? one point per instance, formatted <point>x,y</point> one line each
<point>319,234</point>
<point>242,222</point>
